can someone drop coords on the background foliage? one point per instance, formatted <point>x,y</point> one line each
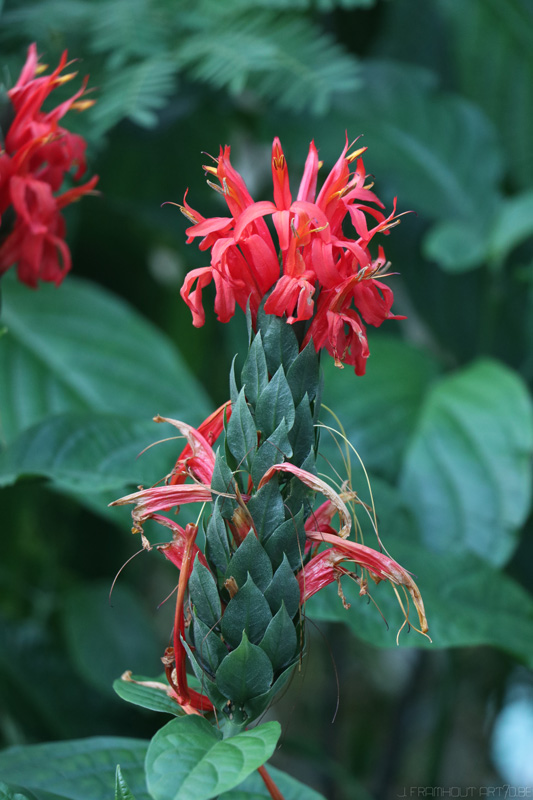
<point>442,421</point>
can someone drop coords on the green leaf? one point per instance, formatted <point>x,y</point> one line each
<point>106,636</point>
<point>467,473</point>
<point>10,793</point>
<point>380,412</point>
<point>468,602</point>
<point>222,483</point>
<point>279,342</point>
<point>245,673</point>
<point>279,641</point>
<point>122,790</point>
<point>274,404</point>
<point>250,559</point>
<point>88,453</point>
<point>246,611</point>
<point>203,595</point>
<point>82,349</point>
<point>132,690</point>
<point>217,545</point>
<point>512,226</point>
<point>302,434</point>
<point>77,769</point>
<point>254,375</point>
<point>188,758</point>
<point>241,434</point>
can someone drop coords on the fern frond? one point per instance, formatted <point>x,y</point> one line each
<point>128,30</point>
<point>284,58</point>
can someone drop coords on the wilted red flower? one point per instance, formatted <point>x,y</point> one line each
<point>34,157</point>
<point>315,274</point>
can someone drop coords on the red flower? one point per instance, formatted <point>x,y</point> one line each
<point>321,277</point>
<point>37,153</point>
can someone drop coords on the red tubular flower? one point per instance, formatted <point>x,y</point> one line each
<point>37,154</point>
<point>322,277</point>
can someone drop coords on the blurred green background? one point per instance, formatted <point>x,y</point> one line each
<point>441,92</point>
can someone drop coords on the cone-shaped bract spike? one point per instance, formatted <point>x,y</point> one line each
<point>246,611</point>
<point>250,558</point>
<point>279,641</point>
<point>203,595</point>
<point>274,404</point>
<point>284,588</point>
<point>245,673</point>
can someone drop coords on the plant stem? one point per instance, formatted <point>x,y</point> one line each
<point>273,790</point>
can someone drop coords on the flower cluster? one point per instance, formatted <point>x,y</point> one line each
<point>326,280</point>
<point>35,155</point>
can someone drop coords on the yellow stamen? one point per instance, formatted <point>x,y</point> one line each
<point>356,154</point>
<point>83,105</point>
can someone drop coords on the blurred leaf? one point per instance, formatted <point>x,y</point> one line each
<point>380,411</point>
<point>467,473</point>
<point>468,602</point>
<point>122,791</point>
<point>135,689</point>
<point>107,636</point>
<point>456,246</point>
<point>188,758</point>
<point>512,226</point>
<point>89,453</point>
<point>79,348</point>
<point>428,142</point>
<point>79,769</point>
<point>493,43</point>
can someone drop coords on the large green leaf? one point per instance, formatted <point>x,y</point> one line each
<point>147,693</point>
<point>380,411</point>
<point>90,452</point>
<point>188,758</point>
<point>79,348</point>
<point>467,601</point>
<point>79,769</point>
<point>467,474</point>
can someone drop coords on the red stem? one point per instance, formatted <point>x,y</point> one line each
<point>273,790</point>
<point>179,619</point>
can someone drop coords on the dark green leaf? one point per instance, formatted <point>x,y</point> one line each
<point>279,641</point>
<point>279,342</point>
<point>266,508</point>
<point>241,435</point>
<point>253,788</point>
<point>245,673</point>
<point>209,648</point>
<point>302,435</point>
<point>217,546</point>
<point>287,540</point>
<point>203,595</point>
<point>274,450</point>
<point>284,589</point>
<point>254,375</point>
<point>274,404</point>
<point>250,559</point>
<point>188,758</point>
<point>223,482</point>
<point>246,611</point>
<point>303,375</point>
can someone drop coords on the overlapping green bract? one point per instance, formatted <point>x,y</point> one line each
<point>246,634</point>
